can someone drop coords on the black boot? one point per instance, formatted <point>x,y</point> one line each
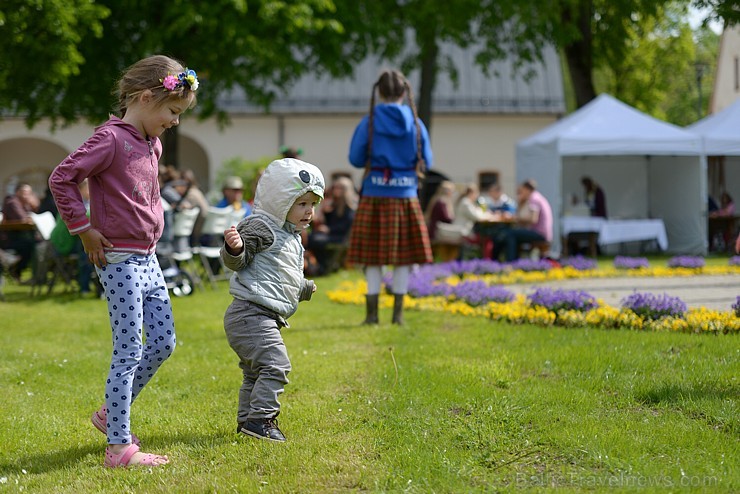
<point>397,309</point>
<point>371,304</point>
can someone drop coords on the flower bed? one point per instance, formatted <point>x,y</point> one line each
<point>475,288</point>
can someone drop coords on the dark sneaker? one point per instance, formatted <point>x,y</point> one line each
<point>262,429</point>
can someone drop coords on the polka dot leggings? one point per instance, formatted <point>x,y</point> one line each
<point>137,299</point>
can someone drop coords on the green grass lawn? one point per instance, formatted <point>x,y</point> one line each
<point>444,404</point>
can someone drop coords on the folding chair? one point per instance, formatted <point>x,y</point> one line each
<point>182,253</point>
<point>235,217</point>
<point>217,221</point>
<point>50,265</point>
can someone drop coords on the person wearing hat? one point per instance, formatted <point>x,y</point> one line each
<point>290,152</point>
<point>233,191</point>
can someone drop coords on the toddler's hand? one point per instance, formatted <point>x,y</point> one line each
<point>314,288</point>
<point>233,240</point>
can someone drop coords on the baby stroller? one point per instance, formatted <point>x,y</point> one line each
<point>173,250</point>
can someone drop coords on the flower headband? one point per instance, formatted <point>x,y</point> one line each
<point>172,82</point>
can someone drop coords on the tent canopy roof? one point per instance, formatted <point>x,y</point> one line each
<point>606,126</point>
<point>720,131</point>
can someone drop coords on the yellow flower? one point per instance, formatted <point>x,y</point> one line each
<point>519,311</point>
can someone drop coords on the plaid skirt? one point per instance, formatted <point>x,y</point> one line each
<point>388,231</point>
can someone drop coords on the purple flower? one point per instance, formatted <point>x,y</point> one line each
<point>686,262</point>
<point>425,285</point>
<point>479,292</point>
<point>736,306</point>
<point>474,266</point>
<point>579,262</point>
<point>626,262</point>
<point>735,261</point>
<point>531,265</point>
<point>555,300</point>
<point>654,306</point>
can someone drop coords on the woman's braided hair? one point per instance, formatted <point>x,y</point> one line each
<point>392,86</point>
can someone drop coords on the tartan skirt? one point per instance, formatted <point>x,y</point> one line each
<point>389,231</point>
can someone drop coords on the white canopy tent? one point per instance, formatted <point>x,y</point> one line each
<point>647,168</point>
<point>722,140</point>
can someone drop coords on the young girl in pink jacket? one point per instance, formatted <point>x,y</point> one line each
<point>126,219</point>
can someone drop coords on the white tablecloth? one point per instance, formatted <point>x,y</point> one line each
<point>617,231</point>
<point>573,224</point>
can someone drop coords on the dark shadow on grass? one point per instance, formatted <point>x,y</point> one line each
<point>672,394</point>
<point>48,461</point>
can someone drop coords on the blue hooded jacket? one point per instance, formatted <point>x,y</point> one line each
<point>393,160</point>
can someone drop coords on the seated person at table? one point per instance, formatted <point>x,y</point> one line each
<point>497,200</point>
<point>468,210</point>
<point>21,241</point>
<point>331,228</point>
<point>726,206</point>
<point>441,209</point>
<point>595,198</point>
<point>534,222</point>
<point>475,221</point>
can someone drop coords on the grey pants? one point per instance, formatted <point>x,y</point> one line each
<point>254,334</point>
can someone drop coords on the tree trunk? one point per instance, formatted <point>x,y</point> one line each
<point>579,52</point>
<point>429,53</point>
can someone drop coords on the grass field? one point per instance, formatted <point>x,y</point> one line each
<point>444,404</point>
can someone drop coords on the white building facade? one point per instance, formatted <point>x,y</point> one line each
<point>475,125</point>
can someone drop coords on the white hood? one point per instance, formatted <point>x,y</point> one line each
<point>284,181</point>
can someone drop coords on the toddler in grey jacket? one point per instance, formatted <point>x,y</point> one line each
<point>265,252</point>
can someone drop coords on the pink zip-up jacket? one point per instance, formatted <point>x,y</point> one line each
<point>122,169</point>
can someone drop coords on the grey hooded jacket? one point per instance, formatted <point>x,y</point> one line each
<point>269,270</point>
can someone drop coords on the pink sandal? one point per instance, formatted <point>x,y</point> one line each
<point>122,460</point>
<point>99,420</point>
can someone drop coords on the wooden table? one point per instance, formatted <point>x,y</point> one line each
<point>588,226</point>
<point>487,228</point>
<point>16,227</point>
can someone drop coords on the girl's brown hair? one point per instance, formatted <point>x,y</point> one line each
<point>391,86</point>
<point>149,73</point>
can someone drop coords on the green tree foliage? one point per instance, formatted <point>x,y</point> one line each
<point>662,65</point>
<point>408,34</point>
<point>41,47</point>
<point>258,46</point>
<point>724,11</point>
<point>649,74</point>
